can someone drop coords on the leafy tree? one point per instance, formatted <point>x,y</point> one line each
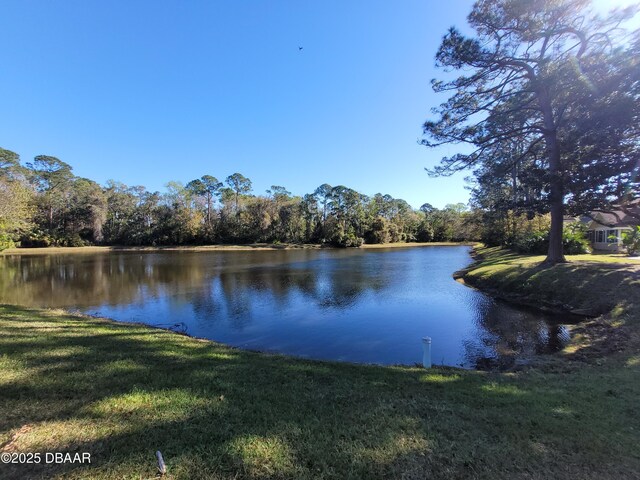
<point>379,231</point>
<point>401,223</point>
<point>206,187</point>
<point>311,217</point>
<point>291,221</point>
<point>9,164</point>
<point>15,199</point>
<point>279,193</point>
<point>178,219</point>
<point>49,172</point>
<point>16,210</point>
<point>259,219</point>
<point>631,240</point>
<point>426,208</point>
<point>146,219</point>
<point>87,212</point>
<point>323,195</point>
<point>240,186</point>
<point>347,206</point>
<point>122,202</point>
<point>533,70</point>
<point>52,178</point>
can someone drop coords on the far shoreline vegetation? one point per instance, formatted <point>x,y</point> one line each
<point>46,205</point>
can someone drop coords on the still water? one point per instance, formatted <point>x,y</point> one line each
<point>367,306</point>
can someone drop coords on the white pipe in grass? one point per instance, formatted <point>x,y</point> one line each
<point>161,465</point>
<point>426,352</point>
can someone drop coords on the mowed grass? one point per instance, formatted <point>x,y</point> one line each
<point>120,392</point>
<point>592,284</point>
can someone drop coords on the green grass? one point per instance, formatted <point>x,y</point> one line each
<point>592,284</point>
<point>121,392</point>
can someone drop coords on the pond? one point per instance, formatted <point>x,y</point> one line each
<point>355,305</point>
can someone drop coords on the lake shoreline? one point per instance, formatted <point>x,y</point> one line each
<point>506,275</point>
<point>213,248</point>
<point>290,298</point>
<point>611,309</point>
<point>119,389</point>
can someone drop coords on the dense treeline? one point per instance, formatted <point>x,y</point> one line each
<point>45,204</point>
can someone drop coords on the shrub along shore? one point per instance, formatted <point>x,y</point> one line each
<point>72,383</point>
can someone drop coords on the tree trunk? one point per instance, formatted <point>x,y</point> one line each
<point>556,187</point>
<point>555,254</point>
<point>556,201</point>
<point>50,217</point>
<point>208,217</point>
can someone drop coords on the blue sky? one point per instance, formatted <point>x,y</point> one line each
<point>146,92</point>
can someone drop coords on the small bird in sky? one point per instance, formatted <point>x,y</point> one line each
<point>300,48</point>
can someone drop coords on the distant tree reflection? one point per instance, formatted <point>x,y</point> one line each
<point>276,297</point>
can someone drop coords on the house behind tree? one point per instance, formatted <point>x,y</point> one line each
<point>605,229</point>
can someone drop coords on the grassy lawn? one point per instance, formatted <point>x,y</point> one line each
<point>590,284</point>
<point>120,392</point>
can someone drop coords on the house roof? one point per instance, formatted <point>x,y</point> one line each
<point>619,216</point>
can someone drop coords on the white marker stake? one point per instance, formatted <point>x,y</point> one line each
<point>426,347</point>
<point>161,466</point>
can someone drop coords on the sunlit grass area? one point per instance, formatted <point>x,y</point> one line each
<point>587,284</point>
<point>605,287</point>
<point>605,257</point>
<point>121,392</point>
<point>493,255</point>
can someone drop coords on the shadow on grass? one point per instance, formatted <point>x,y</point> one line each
<point>593,287</point>
<point>121,392</point>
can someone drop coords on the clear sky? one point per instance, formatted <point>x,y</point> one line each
<point>150,91</point>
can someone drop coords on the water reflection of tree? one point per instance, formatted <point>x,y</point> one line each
<point>83,280</point>
<point>343,282</point>
<point>235,289</point>
<point>320,284</point>
<point>118,279</point>
<point>506,335</point>
<point>206,305</point>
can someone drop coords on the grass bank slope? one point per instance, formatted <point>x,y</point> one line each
<point>604,287</point>
<point>120,392</point>
<point>587,284</point>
